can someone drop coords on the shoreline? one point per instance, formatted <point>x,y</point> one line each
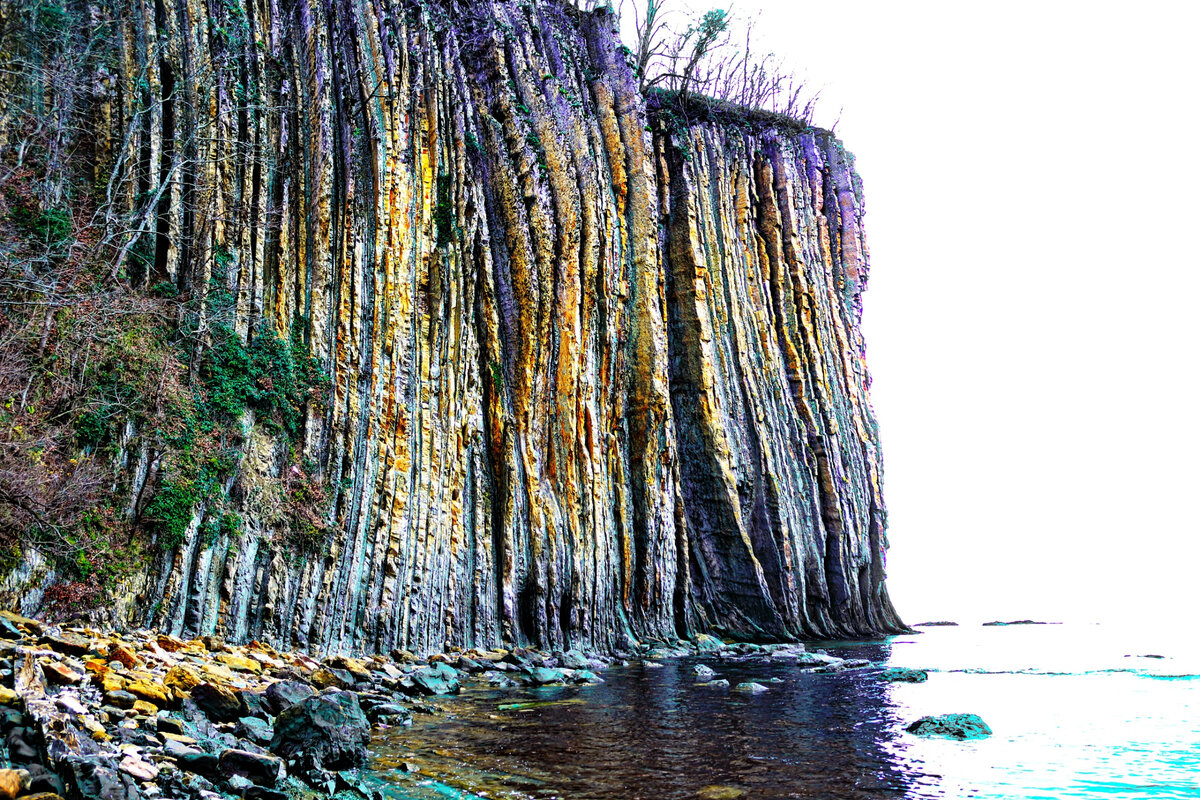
<point>89,713</point>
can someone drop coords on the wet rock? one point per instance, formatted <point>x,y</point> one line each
<point>262,769</point>
<point>707,644</point>
<point>435,679</point>
<point>218,703</point>
<point>389,714</point>
<point>720,683</point>
<point>1002,624</point>
<point>904,675</point>
<point>751,687</point>
<point>543,676</point>
<point>952,726</point>
<point>282,695</point>
<point>703,672</point>
<point>327,731</point>
<point>936,624</point>
<point>23,746</point>
<point>263,793</point>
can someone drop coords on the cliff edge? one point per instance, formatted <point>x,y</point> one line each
<point>468,344</point>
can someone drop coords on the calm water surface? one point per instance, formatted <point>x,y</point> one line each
<point>1077,711</point>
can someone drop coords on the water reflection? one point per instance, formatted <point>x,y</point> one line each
<point>652,733</point>
<point>1076,713</point>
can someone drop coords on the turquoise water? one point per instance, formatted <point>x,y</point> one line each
<point>1077,711</point>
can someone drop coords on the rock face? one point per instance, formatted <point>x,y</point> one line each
<point>595,366</point>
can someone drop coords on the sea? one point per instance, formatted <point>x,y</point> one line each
<point>1076,711</point>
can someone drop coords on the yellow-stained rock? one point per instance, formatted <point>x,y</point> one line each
<point>8,697</point>
<point>153,691</point>
<point>12,783</point>
<point>142,707</point>
<point>240,662</point>
<point>112,682</point>
<point>182,679</point>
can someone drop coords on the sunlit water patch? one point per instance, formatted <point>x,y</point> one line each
<point>1075,711</point>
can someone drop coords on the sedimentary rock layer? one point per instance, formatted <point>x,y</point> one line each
<point>596,370</point>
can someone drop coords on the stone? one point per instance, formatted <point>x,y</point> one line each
<point>260,768</point>
<point>256,730</point>
<point>150,691</point>
<point>542,676</point>
<point>120,699</point>
<point>703,672</point>
<point>327,731</point>
<point>389,714</point>
<point>432,680</point>
<point>719,683</point>
<point>13,782</point>
<point>67,644</point>
<point>750,687</point>
<point>234,661</point>
<point>170,643</point>
<point>282,695</point>
<point>218,703</point>
<point>951,726</point>
<point>182,679</point>
<point>139,769</point>
<point>352,665</point>
<point>904,675</point>
<point>8,697</point>
<point>204,764</point>
<point>124,654</point>
<point>60,674</point>
<point>336,678</point>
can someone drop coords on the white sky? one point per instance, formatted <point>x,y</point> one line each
<point>1031,173</point>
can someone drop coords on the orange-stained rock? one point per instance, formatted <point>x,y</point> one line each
<point>124,654</point>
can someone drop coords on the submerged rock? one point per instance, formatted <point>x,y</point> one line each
<point>952,726</point>
<point>751,687</point>
<point>904,675</point>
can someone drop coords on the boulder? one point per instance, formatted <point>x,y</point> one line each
<point>218,703</point>
<point>434,679</point>
<point>326,731</point>
<point>542,676</point>
<point>703,672</point>
<point>260,768</point>
<point>951,726</point>
<point>256,730</point>
<point>336,678</point>
<point>282,695</point>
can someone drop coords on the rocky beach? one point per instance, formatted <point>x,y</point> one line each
<point>97,715</point>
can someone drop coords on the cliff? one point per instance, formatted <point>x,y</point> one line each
<point>557,368</point>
